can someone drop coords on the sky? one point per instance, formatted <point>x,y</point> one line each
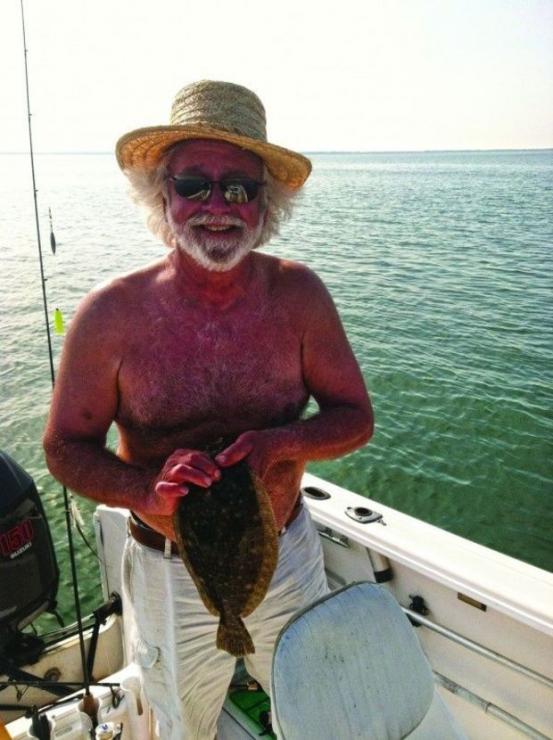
<point>334,75</point>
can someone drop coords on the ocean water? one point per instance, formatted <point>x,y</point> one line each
<point>440,265</point>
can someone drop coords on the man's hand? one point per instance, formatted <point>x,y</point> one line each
<point>263,448</point>
<point>181,467</point>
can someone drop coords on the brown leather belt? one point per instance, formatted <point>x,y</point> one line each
<point>144,534</point>
<point>147,536</point>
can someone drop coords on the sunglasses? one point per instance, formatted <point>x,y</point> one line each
<point>234,189</point>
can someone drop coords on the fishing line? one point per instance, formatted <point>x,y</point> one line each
<point>88,702</point>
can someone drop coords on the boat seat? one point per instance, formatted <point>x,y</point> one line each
<point>350,666</point>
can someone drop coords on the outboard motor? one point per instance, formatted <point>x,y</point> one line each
<point>29,574</point>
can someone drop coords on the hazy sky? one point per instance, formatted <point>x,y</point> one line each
<point>340,74</point>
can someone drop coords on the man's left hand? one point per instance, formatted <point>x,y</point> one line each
<point>263,448</point>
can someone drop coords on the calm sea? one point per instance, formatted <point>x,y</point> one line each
<point>440,264</point>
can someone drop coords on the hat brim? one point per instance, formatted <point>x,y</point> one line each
<point>143,148</point>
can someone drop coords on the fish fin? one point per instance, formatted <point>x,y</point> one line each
<point>233,636</point>
<point>270,548</point>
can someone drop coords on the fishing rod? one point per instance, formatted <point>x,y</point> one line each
<point>89,703</point>
<point>35,191</point>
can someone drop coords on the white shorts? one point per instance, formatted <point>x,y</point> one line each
<point>171,635</point>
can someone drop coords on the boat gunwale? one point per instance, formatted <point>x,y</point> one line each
<point>442,556</point>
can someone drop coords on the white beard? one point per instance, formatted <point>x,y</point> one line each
<point>214,252</point>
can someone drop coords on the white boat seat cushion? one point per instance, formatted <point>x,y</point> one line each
<point>350,666</point>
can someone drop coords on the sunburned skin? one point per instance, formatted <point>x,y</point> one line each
<point>211,374</point>
<point>179,355</point>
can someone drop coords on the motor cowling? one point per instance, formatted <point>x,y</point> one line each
<point>29,574</point>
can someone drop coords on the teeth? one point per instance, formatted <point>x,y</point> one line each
<point>217,228</point>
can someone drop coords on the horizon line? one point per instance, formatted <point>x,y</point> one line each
<point>328,151</point>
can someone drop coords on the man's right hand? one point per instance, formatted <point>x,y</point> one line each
<point>181,467</point>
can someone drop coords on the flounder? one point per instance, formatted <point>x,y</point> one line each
<point>227,538</point>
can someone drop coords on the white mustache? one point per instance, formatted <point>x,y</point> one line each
<point>203,219</point>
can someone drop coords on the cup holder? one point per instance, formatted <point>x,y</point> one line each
<point>316,493</point>
<point>363,515</point>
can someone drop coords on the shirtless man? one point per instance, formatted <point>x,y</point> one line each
<point>213,340</point>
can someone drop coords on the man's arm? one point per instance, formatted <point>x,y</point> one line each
<point>84,405</point>
<point>332,376</point>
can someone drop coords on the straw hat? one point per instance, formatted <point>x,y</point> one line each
<point>213,110</point>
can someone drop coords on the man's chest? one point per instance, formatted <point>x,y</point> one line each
<point>192,372</point>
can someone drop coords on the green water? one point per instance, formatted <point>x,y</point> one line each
<point>440,264</point>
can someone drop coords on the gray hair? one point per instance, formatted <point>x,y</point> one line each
<point>149,190</point>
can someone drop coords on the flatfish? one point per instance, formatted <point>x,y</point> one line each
<point>227,538</point>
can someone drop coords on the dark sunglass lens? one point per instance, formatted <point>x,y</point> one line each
<point>193,188</point>
<point>240,191</point>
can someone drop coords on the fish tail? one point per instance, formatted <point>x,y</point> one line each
<point>233,636</point>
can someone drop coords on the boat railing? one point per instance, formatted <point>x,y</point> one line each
<point>477,648</point>
<point>461,691</point>
<point>488,707</point>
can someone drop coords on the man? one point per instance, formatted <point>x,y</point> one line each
<point>213,340</point>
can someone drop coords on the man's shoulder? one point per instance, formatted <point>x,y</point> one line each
<point>116,292</point>
<point>302,292</point>
<point>291,275</point>
<point>111,301</point>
